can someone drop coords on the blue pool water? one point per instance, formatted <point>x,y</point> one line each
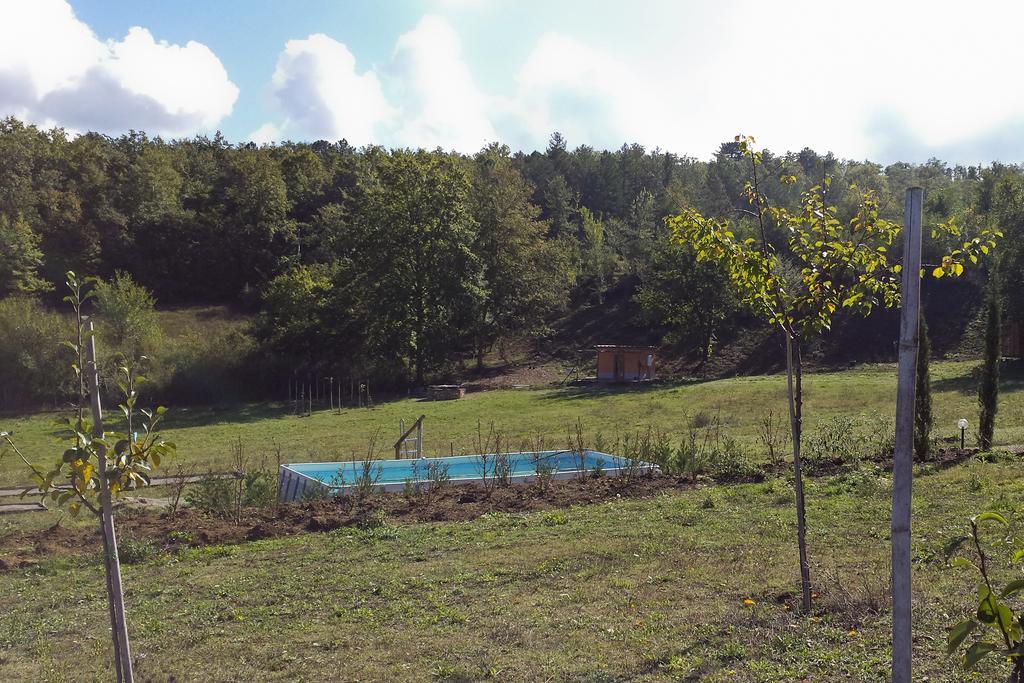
<point>459,467</point>
<point>296,479</point>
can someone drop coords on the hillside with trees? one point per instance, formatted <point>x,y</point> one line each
<point>402,266</point>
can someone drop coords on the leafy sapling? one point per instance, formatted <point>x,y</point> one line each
<point>100,464</point>
<point>827,265</point>
<point>996,626</point>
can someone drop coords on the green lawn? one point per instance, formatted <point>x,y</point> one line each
<point>649,589</point>
<point>205,436</point>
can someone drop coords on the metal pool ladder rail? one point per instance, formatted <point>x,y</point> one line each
<point>402,449</point>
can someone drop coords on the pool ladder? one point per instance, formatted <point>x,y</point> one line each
<point>402,446</point>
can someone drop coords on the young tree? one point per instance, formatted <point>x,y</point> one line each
<point>923,418</point>
<point>127,310</point>
<point>524,277</point>
<point>690,300</point>
<point>22,259</point>
<point>597,261</point>
<point>99,464</point>
<point>413,233</point>
<point>988,383</point>
<point>828,265</point>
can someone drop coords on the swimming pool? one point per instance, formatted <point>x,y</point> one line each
<point>298,480</point>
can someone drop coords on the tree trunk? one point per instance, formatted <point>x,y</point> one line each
<point>794,377</point>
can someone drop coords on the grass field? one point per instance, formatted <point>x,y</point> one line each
<point>205,436</point>
<point>643,589</point>
<point>635,589</point>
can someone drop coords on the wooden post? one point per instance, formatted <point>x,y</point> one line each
<point>902,471</point>
<point>115,592</point>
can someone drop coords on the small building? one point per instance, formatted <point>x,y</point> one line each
<point>625,363</point>
<point>1013,340</point>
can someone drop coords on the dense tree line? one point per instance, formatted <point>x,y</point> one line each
<point>394,263</point>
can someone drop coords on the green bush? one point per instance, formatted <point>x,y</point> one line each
<point>729,460</point>
<point>222,496</point>
<point>132,551</point>
<point>214,495</point>
<point>35,366</point>
<point>126,312</point>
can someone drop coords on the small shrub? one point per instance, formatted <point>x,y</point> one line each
<point>774,434</point>
<point>132,551</point>
<point>502,469</point>
<point>578,448</point>
<point>729,460</point>
<point>259,489</point>
<point>225,497</point>
<point>995,623</point>
<point>180,536</point>
<point>215,494</point>
<point>545,471</point>
<point>702,419</point>
<point>438,479</point>
<point>555,519</point>
<point>34,364</point>
<point>879,436</point>
<point>836,439</point>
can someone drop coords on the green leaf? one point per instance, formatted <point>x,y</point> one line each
<point>976,652</point>
<point>993,516</point>
<point>1012,588</point>
<point>958,633</point>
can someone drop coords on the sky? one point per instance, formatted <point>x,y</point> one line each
<point>880,80</point>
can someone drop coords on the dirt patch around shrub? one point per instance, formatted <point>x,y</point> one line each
<point>188,527</point>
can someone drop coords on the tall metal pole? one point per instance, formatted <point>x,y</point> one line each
<point>902,472</point>
<point>115,592</point>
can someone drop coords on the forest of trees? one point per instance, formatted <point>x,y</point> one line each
<point>395,264</point>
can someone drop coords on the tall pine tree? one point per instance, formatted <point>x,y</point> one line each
<point>988,384</point>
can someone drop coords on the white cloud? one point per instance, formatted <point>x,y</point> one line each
<point>441,104</point>
<point>585,94</point>
<point>265,134</point>
<point>322,95</point>
<point>55,70</point>
<point>871,79</point>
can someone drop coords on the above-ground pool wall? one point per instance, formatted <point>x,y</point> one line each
<point>292,486</point>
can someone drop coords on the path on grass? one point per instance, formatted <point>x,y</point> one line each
<point>155,481</point>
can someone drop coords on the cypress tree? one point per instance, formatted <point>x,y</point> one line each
<point>988,384</point>
<point>923,418</point>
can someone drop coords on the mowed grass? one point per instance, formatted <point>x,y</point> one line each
<point>638,590</point>
<point>206,436</point>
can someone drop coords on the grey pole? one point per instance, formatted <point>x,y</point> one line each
<point>115,592</point>
<point>904,451</point>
